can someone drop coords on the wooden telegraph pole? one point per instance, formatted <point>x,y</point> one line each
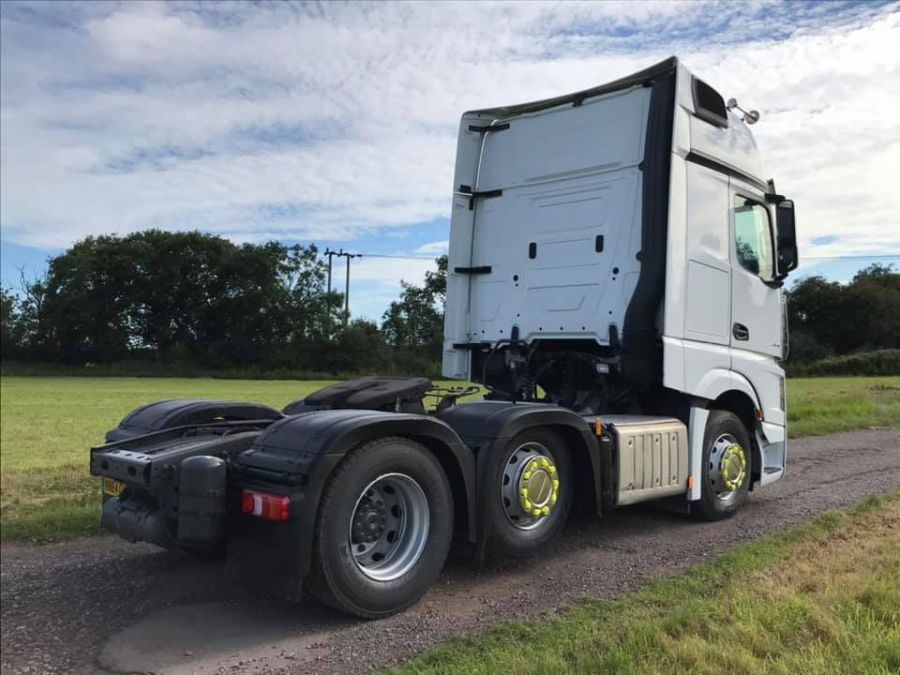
<point>348,256</point>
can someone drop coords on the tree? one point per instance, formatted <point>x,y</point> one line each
<point>11,327</point>
<point>416,320</point>
<point>827,317</point>
<point>871,308</point>
<point>183,296</point>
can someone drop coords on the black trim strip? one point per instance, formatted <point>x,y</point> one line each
<point>694,158</point>
<point>636,79</point>
<point>641,352</point>
<point>472,346</point>
<point>483,269</point>
<point>486,194</point>
<point>488,127</point>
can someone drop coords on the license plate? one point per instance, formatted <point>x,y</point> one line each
<point>112,488</point>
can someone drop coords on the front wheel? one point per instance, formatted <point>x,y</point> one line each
<point>726,467</point>
<point>383,531</point>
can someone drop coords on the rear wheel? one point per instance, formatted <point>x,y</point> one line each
<point>383,530</point>
<point>532,494</point>
<point>726,467</point>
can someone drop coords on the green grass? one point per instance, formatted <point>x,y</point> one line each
<point>821,598</point>
<point>48,424</point>
<point>825,405</point>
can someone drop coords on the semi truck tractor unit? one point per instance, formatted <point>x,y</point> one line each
<point>616,260</point>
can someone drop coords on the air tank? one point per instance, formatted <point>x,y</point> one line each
<point>201,501</point>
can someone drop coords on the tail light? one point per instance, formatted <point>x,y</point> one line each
<point>262,505</point>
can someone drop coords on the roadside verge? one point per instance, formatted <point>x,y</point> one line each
<point>822,597</point>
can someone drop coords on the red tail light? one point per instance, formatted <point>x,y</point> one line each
<point>261,505</point>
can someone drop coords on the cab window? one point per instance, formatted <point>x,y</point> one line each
<point>753,237</point>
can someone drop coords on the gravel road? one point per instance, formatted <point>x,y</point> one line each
<point>102,605</point>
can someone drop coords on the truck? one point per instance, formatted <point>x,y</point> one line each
<point>616,259</point>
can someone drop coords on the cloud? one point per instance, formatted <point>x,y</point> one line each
<point>376,282</point>
<point>338,121</point>
<point>435,248</point>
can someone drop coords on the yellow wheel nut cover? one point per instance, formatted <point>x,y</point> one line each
<point>538,486</point>
<point>733,466</point>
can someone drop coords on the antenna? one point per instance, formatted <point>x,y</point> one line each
<point>750,116</point>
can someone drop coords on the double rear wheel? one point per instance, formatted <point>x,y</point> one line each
<point>383,530</point>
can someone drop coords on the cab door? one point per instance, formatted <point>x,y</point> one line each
<point>756,311</point>
<point>755,296</point>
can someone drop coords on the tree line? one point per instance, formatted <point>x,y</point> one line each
<point>199,299</point>
<point>194,298</point>
<point>827,318</point>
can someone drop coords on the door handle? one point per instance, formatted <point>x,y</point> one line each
<point>740,332</point>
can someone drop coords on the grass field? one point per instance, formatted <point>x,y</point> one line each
<point>48,424</point>
<point>822,598</point>
<point>825,405</point>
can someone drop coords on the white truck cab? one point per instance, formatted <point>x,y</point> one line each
<point>619,251</point>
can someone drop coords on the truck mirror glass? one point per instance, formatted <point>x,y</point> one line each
<point>788,256</point>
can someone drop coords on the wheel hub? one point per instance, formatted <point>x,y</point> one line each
<point>728,469</point>
<point>369,522</point>
<point>733,467</point>
<point>389,527</point>
<point>538,487</point>
<point>529,486</point>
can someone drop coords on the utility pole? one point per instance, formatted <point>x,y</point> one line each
<point>330,255</point>
<point>348,256</point>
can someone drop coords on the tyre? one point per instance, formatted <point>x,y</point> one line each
<point>726,467</point>
<point>532,493</point>
<point>383,529</point>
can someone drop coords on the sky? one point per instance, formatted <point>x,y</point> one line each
<point>336,123</point>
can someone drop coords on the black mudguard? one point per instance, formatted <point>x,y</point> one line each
<point>296,456</point>
<point>168,414</point>
<point>488,426</point>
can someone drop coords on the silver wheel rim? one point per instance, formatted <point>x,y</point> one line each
<point>511,481</point>
<point>728,468</point>
<point>389,527</point>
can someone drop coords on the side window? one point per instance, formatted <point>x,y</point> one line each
<point>753,237</point>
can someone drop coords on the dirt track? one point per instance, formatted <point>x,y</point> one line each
<point>102,605</point>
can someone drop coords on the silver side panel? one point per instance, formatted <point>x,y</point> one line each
<point>653,457</point>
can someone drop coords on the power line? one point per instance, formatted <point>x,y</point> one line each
<point>875,256</point>
<point>398,257</point>
<point>850,257</point>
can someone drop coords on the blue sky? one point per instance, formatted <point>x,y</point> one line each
<point>335,123</point>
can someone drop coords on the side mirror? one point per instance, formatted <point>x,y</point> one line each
<point>788,256</point>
